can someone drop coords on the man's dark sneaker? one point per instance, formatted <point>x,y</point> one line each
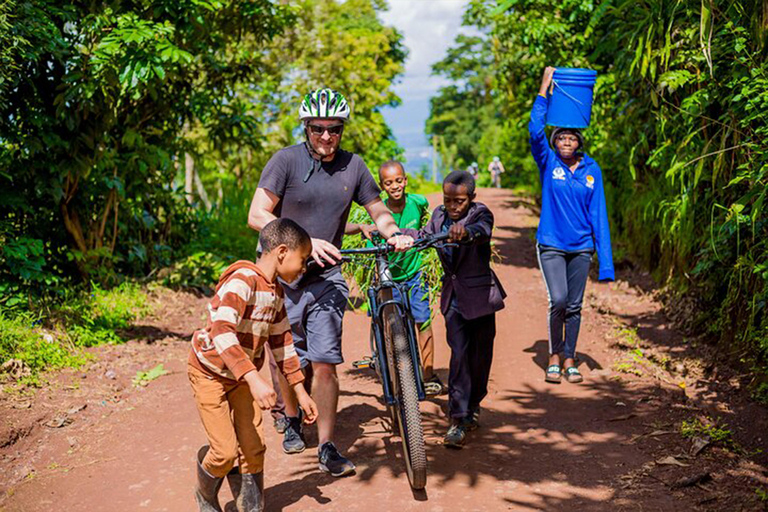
<point>457,434</point>
<point>293,438</point>
<point>331,461</point>
<point>281,423</point>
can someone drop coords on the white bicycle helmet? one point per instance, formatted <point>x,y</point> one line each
<point>324,104</point>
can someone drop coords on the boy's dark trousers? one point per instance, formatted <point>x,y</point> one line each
<point>471,343</point>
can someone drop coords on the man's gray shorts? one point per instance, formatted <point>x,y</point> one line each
<point>316,310</point>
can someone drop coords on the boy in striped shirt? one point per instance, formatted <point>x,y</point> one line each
<point>246,314</point>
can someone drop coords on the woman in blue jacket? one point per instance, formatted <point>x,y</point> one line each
<point>573,225</point>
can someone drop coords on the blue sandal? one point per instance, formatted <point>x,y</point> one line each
<point>573,375</point>
<point>553,374</point>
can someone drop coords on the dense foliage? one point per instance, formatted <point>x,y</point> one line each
<point>94,120</point>
<point>465,117</point>
<point>679,128</point>
<point>133,133</point>
<point>106,108</point>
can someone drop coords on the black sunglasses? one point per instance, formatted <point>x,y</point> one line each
<point>316,129</point>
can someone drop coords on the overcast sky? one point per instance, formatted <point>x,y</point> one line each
<point>429,28</point>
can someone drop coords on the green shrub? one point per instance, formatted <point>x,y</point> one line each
<point>760,393</point>
<point>199,270</point>
<point>710,429</point>
<point>21,339</point>
<point>421,185</point>
<point>119,307</point>
<point>224,230</point>
<point>77,319</point>
<point>91,336</point>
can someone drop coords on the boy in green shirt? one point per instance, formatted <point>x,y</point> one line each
<point>410,212</point>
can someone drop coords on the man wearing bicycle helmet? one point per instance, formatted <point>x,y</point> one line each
<point>314,184</point>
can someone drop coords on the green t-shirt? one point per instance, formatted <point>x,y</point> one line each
<point>405,265</point>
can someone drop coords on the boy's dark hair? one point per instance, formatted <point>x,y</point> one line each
<point>283,231</point>
<point>461,178</point>
<point>391,163</point>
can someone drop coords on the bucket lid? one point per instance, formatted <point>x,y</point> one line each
<point>575,72</point>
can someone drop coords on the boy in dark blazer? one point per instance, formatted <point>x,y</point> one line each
<point>470,296</point>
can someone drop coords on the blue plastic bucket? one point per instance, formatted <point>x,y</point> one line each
<point>570,104</point>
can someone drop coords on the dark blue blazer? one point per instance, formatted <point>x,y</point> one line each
<point>468,274</point>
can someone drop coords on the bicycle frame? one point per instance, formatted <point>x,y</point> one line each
<point>383,285</point>
<point>403,389</point>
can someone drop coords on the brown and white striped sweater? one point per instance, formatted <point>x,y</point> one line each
<point>246,313</point>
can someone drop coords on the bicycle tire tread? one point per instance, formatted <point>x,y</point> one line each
<point>412,435</point>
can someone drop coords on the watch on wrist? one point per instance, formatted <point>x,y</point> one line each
<point>398,233</point>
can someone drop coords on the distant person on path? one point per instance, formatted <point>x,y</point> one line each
<point>246,318</point>
<point>473,169</point>
<point>470,297</point>
<point>573,224</point>
<point>410,212</point>
<point>314,184</point>
<point>496,168</point>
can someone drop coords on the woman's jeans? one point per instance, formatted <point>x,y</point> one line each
<point>565,275</point>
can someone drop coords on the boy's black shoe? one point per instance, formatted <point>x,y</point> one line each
<point>473,420</point>
<point>457,434</point>
<point>293,438</point>
<point>331,461</point>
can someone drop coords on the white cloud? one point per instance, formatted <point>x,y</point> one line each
<point>429,28</point>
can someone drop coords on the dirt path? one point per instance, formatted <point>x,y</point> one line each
<point>591,446</point>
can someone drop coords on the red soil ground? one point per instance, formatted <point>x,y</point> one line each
<point>600,445</point>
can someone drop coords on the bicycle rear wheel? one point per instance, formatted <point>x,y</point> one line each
<point>407,411</point>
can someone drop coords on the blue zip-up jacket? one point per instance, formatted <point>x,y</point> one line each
<point>573,212</point>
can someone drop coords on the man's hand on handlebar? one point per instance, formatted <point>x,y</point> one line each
<point>401,242</point>
<point>324,252</point>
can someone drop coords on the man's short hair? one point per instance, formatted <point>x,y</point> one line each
<point>461,178</point>
<point>283,231</point>
<point>391,163</point>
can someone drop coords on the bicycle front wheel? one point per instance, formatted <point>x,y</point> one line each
<point>407,408</point>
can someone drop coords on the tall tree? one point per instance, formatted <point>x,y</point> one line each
<point>345,46</point>
<point>330,43</point>
<point>678,127</point>
<point>93,121</point>
<point>463,113</point>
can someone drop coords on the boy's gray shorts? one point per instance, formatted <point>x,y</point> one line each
<point>316,310</point>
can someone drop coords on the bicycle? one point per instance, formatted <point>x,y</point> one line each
<point>395,354</point>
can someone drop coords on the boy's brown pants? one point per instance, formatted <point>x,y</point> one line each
<point>232,422</point>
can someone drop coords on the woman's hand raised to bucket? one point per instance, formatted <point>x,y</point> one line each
<point>546,81</point>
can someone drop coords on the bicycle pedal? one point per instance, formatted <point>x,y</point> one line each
<point>363,363</point>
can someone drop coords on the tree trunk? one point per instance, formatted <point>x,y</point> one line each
<point>189,170</point>
<point>201,191</point>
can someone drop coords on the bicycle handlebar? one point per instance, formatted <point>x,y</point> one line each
<point>419,244</point>
<point>384,248</point>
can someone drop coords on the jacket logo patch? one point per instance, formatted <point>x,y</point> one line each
<point>558,173</point>
<point>590,181</point>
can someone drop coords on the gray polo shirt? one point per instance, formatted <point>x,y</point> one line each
<point>321,203</point>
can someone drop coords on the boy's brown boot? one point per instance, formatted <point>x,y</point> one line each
<point>248,491</point>
<point>207,492</point>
